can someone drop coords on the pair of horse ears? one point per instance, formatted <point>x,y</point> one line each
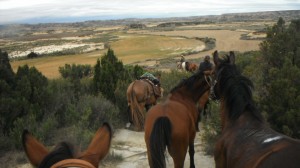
<point>96,151</point>
<point>217,61</point>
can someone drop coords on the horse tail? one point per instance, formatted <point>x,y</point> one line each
<point>160,138</point>
<point>137,114</point>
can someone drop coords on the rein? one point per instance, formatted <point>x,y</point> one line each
<point>72,163</point>
<point>205,77</point>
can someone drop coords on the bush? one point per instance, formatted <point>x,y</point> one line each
<point>32,55</point>
<point>280,84</point>
<point>75,71</point>
<point>170,79</point>
<point>211,128</point>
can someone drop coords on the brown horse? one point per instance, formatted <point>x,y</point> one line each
<point>246,140</point>
<point>63,155</point>
<point>172,124</point>
<point>188,66</point>
<point>141,94</point>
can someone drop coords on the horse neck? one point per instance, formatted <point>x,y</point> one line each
<point>204,99</point>
<point>192,94</point>
<point>247,118</point>
<point>224,115</point>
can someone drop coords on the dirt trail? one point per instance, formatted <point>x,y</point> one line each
<point>132,147</point>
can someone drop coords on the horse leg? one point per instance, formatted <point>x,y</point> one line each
<point>208,110</point>
<point>129,117</point>
<point>178,152</point>
<point>191,153</point>
<point>179,163</point>
<point>198,119</point>
<point>129,114</point>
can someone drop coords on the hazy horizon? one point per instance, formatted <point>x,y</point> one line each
<point>49,11</point>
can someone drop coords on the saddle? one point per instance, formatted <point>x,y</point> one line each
<point>72,163</point>
<point>156,89</point>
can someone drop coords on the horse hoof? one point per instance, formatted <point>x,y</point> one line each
<point>128,125</point>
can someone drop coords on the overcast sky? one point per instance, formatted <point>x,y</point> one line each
<point>34,11</point>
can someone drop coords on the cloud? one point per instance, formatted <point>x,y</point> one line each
<point>18,10</point>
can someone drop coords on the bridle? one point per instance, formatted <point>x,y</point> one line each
<point>213,94</point>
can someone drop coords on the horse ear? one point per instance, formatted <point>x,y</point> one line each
<point>34,149</point>
<point>216,58</point>
<point>232,57</point>
<point>99,146</point>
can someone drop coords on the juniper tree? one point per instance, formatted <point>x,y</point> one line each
<point>281,77</point>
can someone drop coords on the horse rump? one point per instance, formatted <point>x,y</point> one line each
<point>160,138</point>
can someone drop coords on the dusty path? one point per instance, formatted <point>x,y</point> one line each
<point>132,147</point>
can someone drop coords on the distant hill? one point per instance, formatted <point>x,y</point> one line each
<point>256,16</point>
<point>8,30</point>
<point>230,17</point>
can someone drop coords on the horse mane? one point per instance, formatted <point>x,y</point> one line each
<point>62,151</point>
<point>236,90</point>
<point>189,82</point>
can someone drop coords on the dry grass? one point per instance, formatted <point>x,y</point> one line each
<point>49,65</point>
<point>132,48</point>
<point>129,49</point>
<point>225,39</point>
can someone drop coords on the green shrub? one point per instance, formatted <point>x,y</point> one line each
<point>211,128</point>
<point>27,122</point>
<point>170,79</point>
<point>75,71</point>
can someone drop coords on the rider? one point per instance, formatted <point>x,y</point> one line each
<point>182,59</point>
<point>206,65</point>
<point>152,78</point>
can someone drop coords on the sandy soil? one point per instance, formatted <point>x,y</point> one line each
<point>56,48</point>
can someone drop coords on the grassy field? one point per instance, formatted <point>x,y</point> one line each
<point>129,49</point>
<point>225,39</point>
<point>49,65</point>
<point>134,48</point>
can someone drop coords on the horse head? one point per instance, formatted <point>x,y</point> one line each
<point>220,64</point>
<point>250,140</point>
<point>233,90</point>
<point>63,154</point>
